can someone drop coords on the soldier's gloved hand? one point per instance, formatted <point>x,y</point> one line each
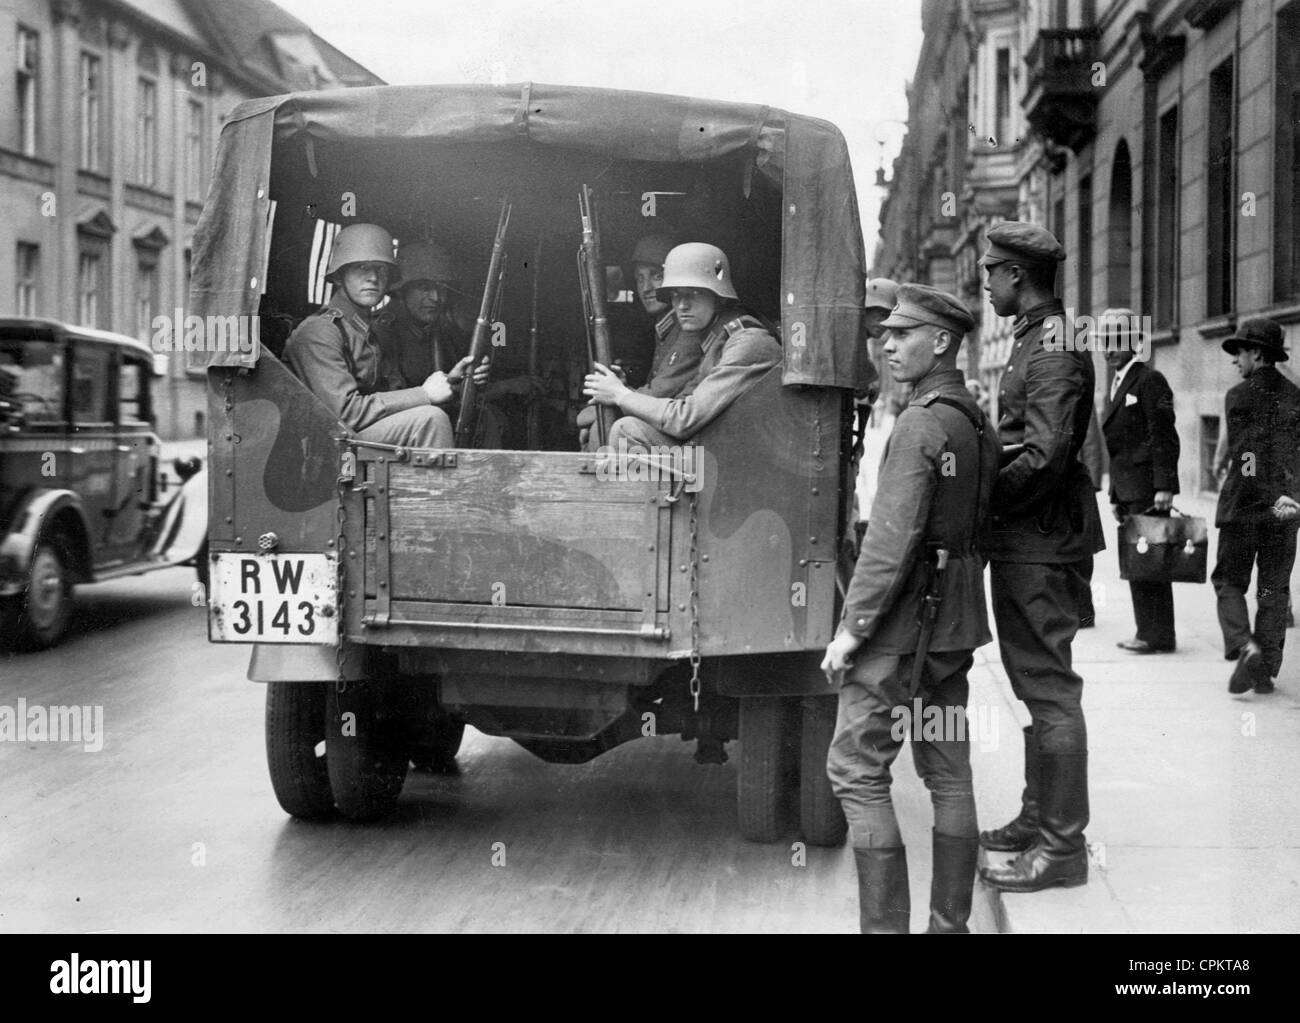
<point>839,656</point>
<point>437,387</point>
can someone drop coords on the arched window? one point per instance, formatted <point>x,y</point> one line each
<point>1119,250</point>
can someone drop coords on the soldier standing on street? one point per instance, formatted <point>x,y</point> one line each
<point>1044,524</point>
<point>1143,446</point>
<point>334,354</point>
<point>936,479</point>
<point>1259,505</point>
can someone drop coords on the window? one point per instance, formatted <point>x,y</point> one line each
<point>32,372</point>
<point>1221,148</point>
<point>92,85</point>
<point>195,157</point>
<point>90,286</point>
<point>146,132</point>
<point>28,82</point>
<point>1003,109</point>
<point>1167,219</point>
<point>146,295</point>
<point>1084,304</point>
<point>133,392</point>
<point>91,366</point>
<point>1286,157</point>
<point>28,274</point>
<point>1119,246</point>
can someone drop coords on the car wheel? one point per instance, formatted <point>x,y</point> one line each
<point>765,779</point>
<point>295,748</point>
<point>38,617</point>
<point>366,762</point>
<point>821,817</point>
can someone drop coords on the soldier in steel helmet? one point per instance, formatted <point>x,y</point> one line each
<point>334,354</point>
<point>936,481</point>
<point>736,350</point>
<point>677,352</point>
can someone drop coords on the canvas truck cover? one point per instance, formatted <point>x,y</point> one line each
<point>822,261</point>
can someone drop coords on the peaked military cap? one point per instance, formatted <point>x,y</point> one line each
<point>1014,241</point>
<point>882,293</point>
<point>1259,332</point>
<point>920,303</point>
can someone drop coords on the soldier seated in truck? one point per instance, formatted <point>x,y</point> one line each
<point>421,331</point>
<point>334,353</point>
<point>736,351</point>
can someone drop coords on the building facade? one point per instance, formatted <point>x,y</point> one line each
<point>108,126</point>
<point>1160,145</point>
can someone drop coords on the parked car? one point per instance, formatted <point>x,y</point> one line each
<point>83,496</point>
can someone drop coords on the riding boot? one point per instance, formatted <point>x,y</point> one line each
<point>952,883</point>
<point>1060,855</point>
<point>1021,832</point>
<point>884,902</point>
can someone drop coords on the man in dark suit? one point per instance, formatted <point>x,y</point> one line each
<point>1259,505</point>
<point>1045,525</point>
<point>1139,427</point>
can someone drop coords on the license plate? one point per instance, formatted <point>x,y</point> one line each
<point>273,598</point>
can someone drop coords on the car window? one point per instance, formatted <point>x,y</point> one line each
<point>31,377</point>
<point>132,392</point>
<point>90,378</point>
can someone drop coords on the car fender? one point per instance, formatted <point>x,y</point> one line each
<point>34,512</point>
<point>185,522</point>
<point>277,662</point>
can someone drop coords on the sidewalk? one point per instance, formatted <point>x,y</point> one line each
<point>1193,791</point>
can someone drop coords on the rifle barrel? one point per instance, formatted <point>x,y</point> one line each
<point>467,421</point>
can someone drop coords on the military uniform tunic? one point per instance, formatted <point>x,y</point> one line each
<point>936,481</point>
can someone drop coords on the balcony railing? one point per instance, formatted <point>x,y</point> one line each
<point>1063,90</point>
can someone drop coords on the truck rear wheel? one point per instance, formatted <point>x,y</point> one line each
<point>366,763</point>
<point>295,748</point>
<point>765,779</point>
<point>821,817</point>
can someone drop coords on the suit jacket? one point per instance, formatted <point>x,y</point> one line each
<point>936,480</point>
<point>1140,437</point>
<point>1263,417</point>
<point>1044,506</point>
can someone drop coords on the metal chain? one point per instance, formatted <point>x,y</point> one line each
<point>695,601</point>
<point>347,473</point>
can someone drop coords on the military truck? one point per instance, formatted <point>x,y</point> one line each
<point>391,596</point>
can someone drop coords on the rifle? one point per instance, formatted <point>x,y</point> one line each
<point>534,400</point>
<point>467,421</point>
<point>591,275</point>
<point>929,615</point>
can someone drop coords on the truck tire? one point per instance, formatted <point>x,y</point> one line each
<point>38,617</point>
<point>295,737</point>
<point>765,778</point>
<point>437,746</point>
<point>821,817</point>
<point>366,763</point>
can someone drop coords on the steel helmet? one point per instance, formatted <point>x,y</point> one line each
<point>697,265</point>
<point>652,249</point>
<point>424,261</point>
<point>362,243</point>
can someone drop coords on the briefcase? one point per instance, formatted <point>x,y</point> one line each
<point>1156,549</point>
